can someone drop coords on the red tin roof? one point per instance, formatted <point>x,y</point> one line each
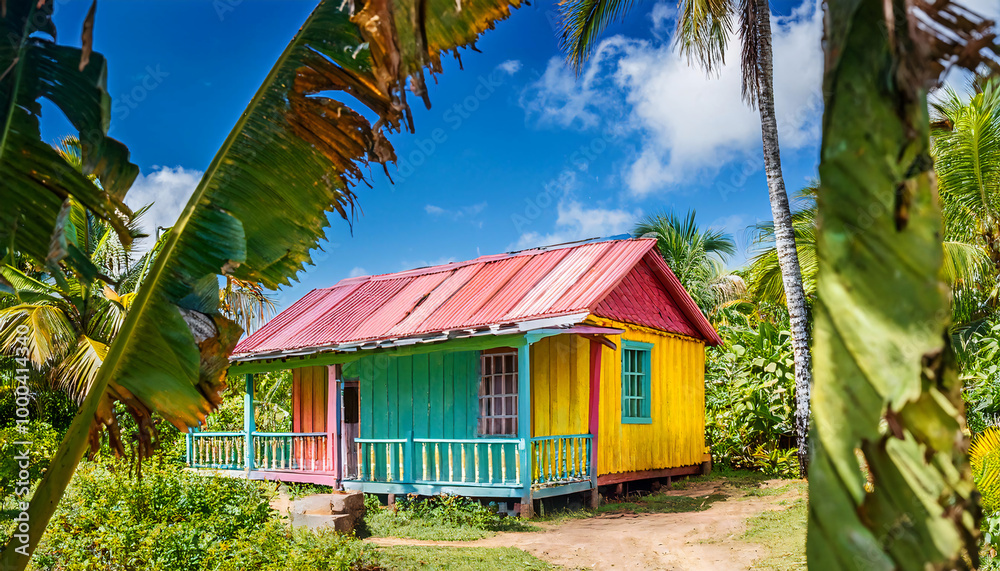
<point>544,286</point>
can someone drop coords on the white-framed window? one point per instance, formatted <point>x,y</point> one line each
<point>498,392</point>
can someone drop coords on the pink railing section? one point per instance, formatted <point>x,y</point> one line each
<point>299,451</point>
<point>291,451</point>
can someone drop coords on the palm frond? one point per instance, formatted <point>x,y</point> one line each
<point>76,373</point>
<point>583,22</point>
<point>246,303</point>
<point>984,458</point>
<point>703,29</point>
<point>697,257</point>
<point>965,264</point>
<point>44,332</point>
<point>966,149</point>
<point>750,51</point>
<point>25,288</point>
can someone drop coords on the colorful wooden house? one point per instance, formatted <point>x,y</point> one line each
<point>515,376</point>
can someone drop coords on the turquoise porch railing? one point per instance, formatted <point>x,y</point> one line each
<point>473,462</point>
<point>300,451</point>
<point>560,459</point>
<point>216,450</point>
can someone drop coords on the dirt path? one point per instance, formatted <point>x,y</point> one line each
<point>705,540</point>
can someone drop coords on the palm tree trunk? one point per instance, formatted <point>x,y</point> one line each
<point>784,236</point>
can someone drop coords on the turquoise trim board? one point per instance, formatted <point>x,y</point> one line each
<point>636,375</point>
<point>334,358</point>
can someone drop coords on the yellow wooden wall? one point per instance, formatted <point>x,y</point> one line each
<point>560,385</point>
<point>676,436</point>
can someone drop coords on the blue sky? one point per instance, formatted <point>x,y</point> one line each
<point>526,154</point>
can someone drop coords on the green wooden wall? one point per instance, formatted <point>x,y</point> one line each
<point>434,394</point>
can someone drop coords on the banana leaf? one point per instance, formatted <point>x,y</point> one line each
<point>293,157</point>
<point>37,181</point>
<point>889,483</point>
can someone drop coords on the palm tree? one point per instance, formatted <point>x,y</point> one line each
<point>703,31</point>
<point>965,142</point>
<point>293,157</point>
<point>697,257</point>
<point>966,266</point>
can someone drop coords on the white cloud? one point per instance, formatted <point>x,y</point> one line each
<point>510,67</point>
<point>559,98</point>
<point>690,123</point>
<point>469,211</point>
<point>575,220</point>
<point>434,210</point>
<point>168,189</point>
<point>357,271</point>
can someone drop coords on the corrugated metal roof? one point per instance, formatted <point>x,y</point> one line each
<point>489,291</point>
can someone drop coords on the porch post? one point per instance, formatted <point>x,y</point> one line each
<point>332,423</point>
<point>596,348</point>
<point>248,424</point>
<point>189,452</point>
<point>524,424</point>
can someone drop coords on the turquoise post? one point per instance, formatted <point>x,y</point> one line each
<point>189,452</point>
<point>524,424</point>
<point>407,475</point>
<point>248,424</point>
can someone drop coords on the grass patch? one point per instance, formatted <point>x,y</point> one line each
<point>443,518</point>
<point>296,490</point>
<point>405,557</point>
<point>783,532</point>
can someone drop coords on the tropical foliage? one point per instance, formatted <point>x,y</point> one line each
<point>984,457</point>
<point>272,404</point>
<point>178,520</point>
<point>965,264</point>
<point>966,146</point>
<point>37,184</point>
<point>887,395</point>
<point>749,395</point>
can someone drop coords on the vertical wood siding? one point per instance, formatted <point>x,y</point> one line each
<point>676,436</point>
<point>435,395</point>
<point>309,394</point>
<point>560,391</point>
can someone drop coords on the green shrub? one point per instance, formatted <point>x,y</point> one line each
<point>173,519</point>
<point>749,398</point>
<point>44,440</point>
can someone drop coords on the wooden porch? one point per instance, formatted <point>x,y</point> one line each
<point>516,466</point>
<point>482,467</point>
